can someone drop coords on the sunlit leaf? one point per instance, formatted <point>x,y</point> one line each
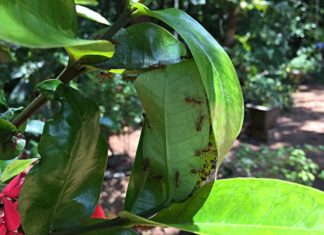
<point>91,15</point>
<point>245,206</point>
<point>14,168</point>
<point>101,49</point>
<point>177,127</point>
<point>86,2</point>
<point>40,23</point>
<point>217,72</point>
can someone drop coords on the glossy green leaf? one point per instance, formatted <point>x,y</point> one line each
<point>86,2</point>
<point>218,75</point>
<point>12,143</point>
<point>246,206</point>
<point>14,168</point>
<point>62,190</point>
<point>142,46</point>
<point>177,127</point>
<point>91,15</point>
<point>40,23</point>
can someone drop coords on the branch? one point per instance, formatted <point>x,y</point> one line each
<point>114,223</point>
<point>71,72</point>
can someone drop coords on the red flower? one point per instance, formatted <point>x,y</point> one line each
<point>9,218</point>
<point>99,213</point>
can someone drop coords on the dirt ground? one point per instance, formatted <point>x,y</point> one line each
<point>303,125</point>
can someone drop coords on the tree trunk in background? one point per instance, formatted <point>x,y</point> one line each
<point>176,3</point>
<point>120,5</point>
<point>231,26</point>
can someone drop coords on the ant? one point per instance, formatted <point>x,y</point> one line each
<point>200,122</point>
<point>190,100</point>
<point>177,179</point>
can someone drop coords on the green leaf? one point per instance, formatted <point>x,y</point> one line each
<point>5,163</point>
<point>12,143</point>
<point>101,49</point>
<point>138,179</point>
<point>48,87</point>
<point>91,15</point>
<point>40,23</point>
<point>86,2</point>
<point>246,206</point>
<point>177,127</point>
<point>218,75</point>
<point>62,190</point>
<point>142,46</point>
<point>3,101</point>
<point>14,168</point>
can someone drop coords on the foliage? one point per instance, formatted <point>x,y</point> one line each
<point>121,109</point>
<point>307,60</point>
<point>287,163</point>
<point>268,90</point>
<point>193,113</point>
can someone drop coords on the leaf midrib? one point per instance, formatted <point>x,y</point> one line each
<point>167,158</point>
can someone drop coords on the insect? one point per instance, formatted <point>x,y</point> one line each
<point>200,122</point>
<point>157,66</point>
<point>208,149</point>
<point>141,228</point>
<point>106,75</point>
<point>177,179</point>
<point>146,163</point>
<point>146,120</point>
<point>114,42</point>
<point>158,177</point>
<point>190,100</point>
<point>129,78</point>
<point>198,153</point>
<point>195,171</point>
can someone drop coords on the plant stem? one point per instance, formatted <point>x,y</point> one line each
<point>121,22</point>
<point>70,72</point>
<point>67,75</point>
<point>114,223</point>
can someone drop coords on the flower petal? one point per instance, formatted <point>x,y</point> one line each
<point>3,229</point>
<point>12,190</point>
<point>12,217</point>
<point>99,213</point>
